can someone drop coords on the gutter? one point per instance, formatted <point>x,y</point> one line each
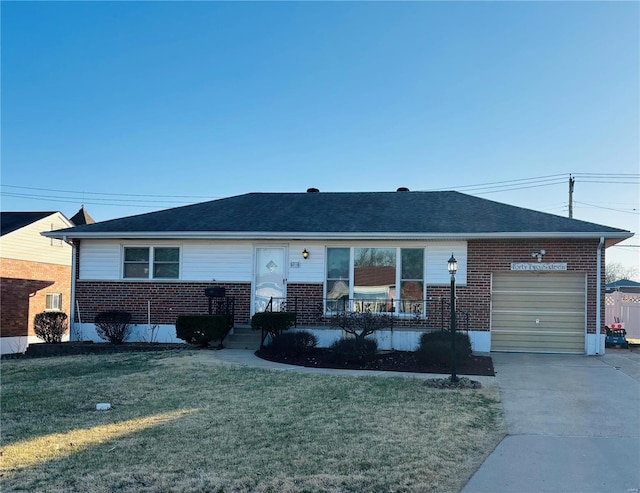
<point>599,294</point>
<point>322,236</point>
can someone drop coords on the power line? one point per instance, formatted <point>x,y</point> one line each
<point>634,211</point>
<point>145,200</point>
<point>109,194</point>
<point>70,200</point>
<point>99,200</point>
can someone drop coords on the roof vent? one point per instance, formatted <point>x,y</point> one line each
<point>402,189</point>
<point>312,190</point>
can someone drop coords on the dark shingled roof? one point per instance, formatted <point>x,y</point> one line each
<point>82,217</point>
<point>346,213</point>
<point>12,221</point>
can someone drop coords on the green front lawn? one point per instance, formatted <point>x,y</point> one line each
<point>182,422</point>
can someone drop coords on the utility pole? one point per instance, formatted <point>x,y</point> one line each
<point>572,181</point>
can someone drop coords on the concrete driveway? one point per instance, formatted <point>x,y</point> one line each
<point>573,425</point>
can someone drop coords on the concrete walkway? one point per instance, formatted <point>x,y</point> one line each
<point>573,424</point>
<point>573,421</point>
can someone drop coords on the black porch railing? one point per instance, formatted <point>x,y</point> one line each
<point>432,313</point>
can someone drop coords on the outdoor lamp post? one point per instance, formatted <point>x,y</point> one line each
<point>452,265</point>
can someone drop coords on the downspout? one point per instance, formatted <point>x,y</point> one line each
<point>598,294</point>
<point>73,281</point>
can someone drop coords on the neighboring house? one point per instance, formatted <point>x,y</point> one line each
<point>526,280</point>
<point>623,285</point>
<point>35,271</point>
<point>623,307</point>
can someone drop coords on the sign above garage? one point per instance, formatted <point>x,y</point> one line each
<point>538,266</point>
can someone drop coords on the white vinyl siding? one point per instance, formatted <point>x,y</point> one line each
<point>227,262</point>
<point>438,255</point>
<point>28,244</point>
<point>538,312</point>
<point>309,270</point>
<point>233,262</point>
<point>100,260</point>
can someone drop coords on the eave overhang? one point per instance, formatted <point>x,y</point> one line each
<point>611,237</point>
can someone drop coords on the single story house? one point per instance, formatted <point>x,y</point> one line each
<point>624,286</point>
<point>35,273</point>
<point>526,280</point>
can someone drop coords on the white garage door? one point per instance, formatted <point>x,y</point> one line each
<point>542,312</point>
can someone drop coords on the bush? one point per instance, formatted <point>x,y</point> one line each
<point>50,326</point>
<point>435,347</point>
<point>292,343</point>
<point>274,323</point>
<point>113,326</point>
<point>361,324</point>
<point>354,350</point>
<point>200,330</point>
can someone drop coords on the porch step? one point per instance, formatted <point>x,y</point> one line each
<point>243,338</point>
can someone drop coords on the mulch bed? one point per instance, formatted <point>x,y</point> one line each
<point>403,361</point>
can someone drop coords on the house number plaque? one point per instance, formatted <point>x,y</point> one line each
<point>538,266</point>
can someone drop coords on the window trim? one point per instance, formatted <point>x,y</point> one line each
<point>53,296</point>
<point>398,275</point>
<point>150,263</point>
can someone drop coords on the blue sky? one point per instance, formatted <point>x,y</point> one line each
<point>133,107</point>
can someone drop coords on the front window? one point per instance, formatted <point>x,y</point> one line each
<point>338,278</point>
<point>412,280</point>
<point>166,263</point>
<point>136,263</point>
<point>154,262</point>
<point>371,281</point>
<point>374,279</point>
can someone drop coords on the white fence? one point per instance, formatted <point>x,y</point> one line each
<point>624,308</point>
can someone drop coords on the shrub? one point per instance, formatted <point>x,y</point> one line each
<point>113,326</point>
<point>354,350</point>
<point>361,324</point>
<point>274,323</point>
<point>200,330</point>
<point>292,343</point>
<point>435,347</point>
<point>50,326</point>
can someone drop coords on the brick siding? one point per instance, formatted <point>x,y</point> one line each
<point>23,289</point>
<point>168,299</point>
<point>484,257</point>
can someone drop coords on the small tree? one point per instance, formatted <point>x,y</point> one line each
<point>361,324</point>
<point>616,271</point>
<point>50,326</point>
<point>113,326</point>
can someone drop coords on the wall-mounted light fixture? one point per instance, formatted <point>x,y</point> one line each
<point>539,254</point>
<point>305,254</point>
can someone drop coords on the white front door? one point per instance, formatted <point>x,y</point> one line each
<point>270,278</point>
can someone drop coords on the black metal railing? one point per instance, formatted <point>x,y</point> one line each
<point>431,313</point>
